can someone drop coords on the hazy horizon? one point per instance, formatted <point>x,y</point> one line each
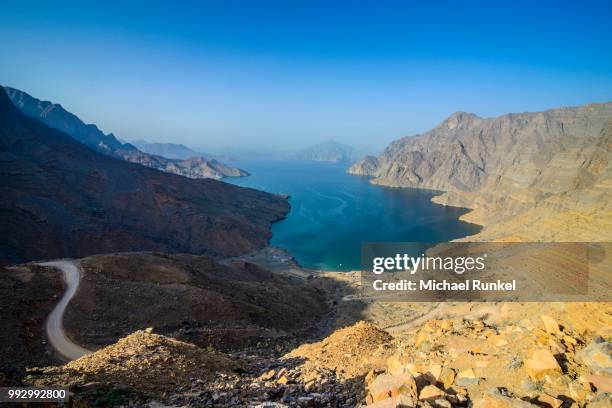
<point>279,75</point>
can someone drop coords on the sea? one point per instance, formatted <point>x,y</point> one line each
<point>333,212</point>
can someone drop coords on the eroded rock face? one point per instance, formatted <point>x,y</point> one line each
<point>62,199</point>
<point>553,169</point>
<point>368,166</point>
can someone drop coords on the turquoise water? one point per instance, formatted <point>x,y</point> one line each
<point>332,212</point>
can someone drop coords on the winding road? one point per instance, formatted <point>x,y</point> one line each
<point>55,327</point>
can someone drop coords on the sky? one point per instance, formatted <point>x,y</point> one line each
<point>287,74</point>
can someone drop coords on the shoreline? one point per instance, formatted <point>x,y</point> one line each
<point>438,193</point>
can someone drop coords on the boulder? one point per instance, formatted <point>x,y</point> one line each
<point>600,382</point>
<point>267,376</point>
<point>442,403</point>
<point>401,401</point>
<point>466,378</point>
<point>540,363</point>
<point>386,386</point>
<point>597,356</point>
<point>396,365</point>
<point>447,377</point>
<point>431,393</point>
<point>493,399</point>
<point>550,325</point>
<point>549,401</point>
<point>601,401</point>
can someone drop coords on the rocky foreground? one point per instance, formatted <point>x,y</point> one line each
<point>444,363</point>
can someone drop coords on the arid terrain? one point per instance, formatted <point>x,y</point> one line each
<point>62,199</point>
<point>262,346</point>
<point>27,295</point>
<point>202,312</point>
<point>192,298</point>
<point>542,176</point>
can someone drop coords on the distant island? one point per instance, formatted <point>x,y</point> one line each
<point>329,151</point>
<point>169,150</point>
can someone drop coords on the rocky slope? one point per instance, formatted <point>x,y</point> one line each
<point>528,176</point>
<point>145,361</point>
<point>470,363</point>
<point>55,116</point>
<point>194,298</point>
<point>410,355</point>
<point>62,199</point>
<point>445,363</point>
<point>329,151</point>
<point>27,296</point>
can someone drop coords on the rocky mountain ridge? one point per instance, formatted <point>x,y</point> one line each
<point>551,168</point>
<point>55,116</point>
<point>63,199</point>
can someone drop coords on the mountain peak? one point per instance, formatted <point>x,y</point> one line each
<point>6,106</point>
<point>459,118</point>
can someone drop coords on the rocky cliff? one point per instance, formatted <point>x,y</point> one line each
<point>63,199</point>
<point>527,176</point>
<point>55,116</point>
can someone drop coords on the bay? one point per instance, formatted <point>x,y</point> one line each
<point>333,212</point>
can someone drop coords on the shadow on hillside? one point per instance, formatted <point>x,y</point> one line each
<point>231,306</point>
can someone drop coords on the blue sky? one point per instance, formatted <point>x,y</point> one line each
<point>283,74</point>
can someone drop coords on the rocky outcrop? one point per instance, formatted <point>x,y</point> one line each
<point>368,166</point>
<point>528,176</point>
<point>62,199</point>
<point>351,351</point>
<point>55,116</point>
<point>141,361</point>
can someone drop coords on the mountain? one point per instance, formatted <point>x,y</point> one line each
<point>169,150</point>
<point>63,199</point>
<point>330,151</point>
<point>527,176</point>
<point>55,116</point>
